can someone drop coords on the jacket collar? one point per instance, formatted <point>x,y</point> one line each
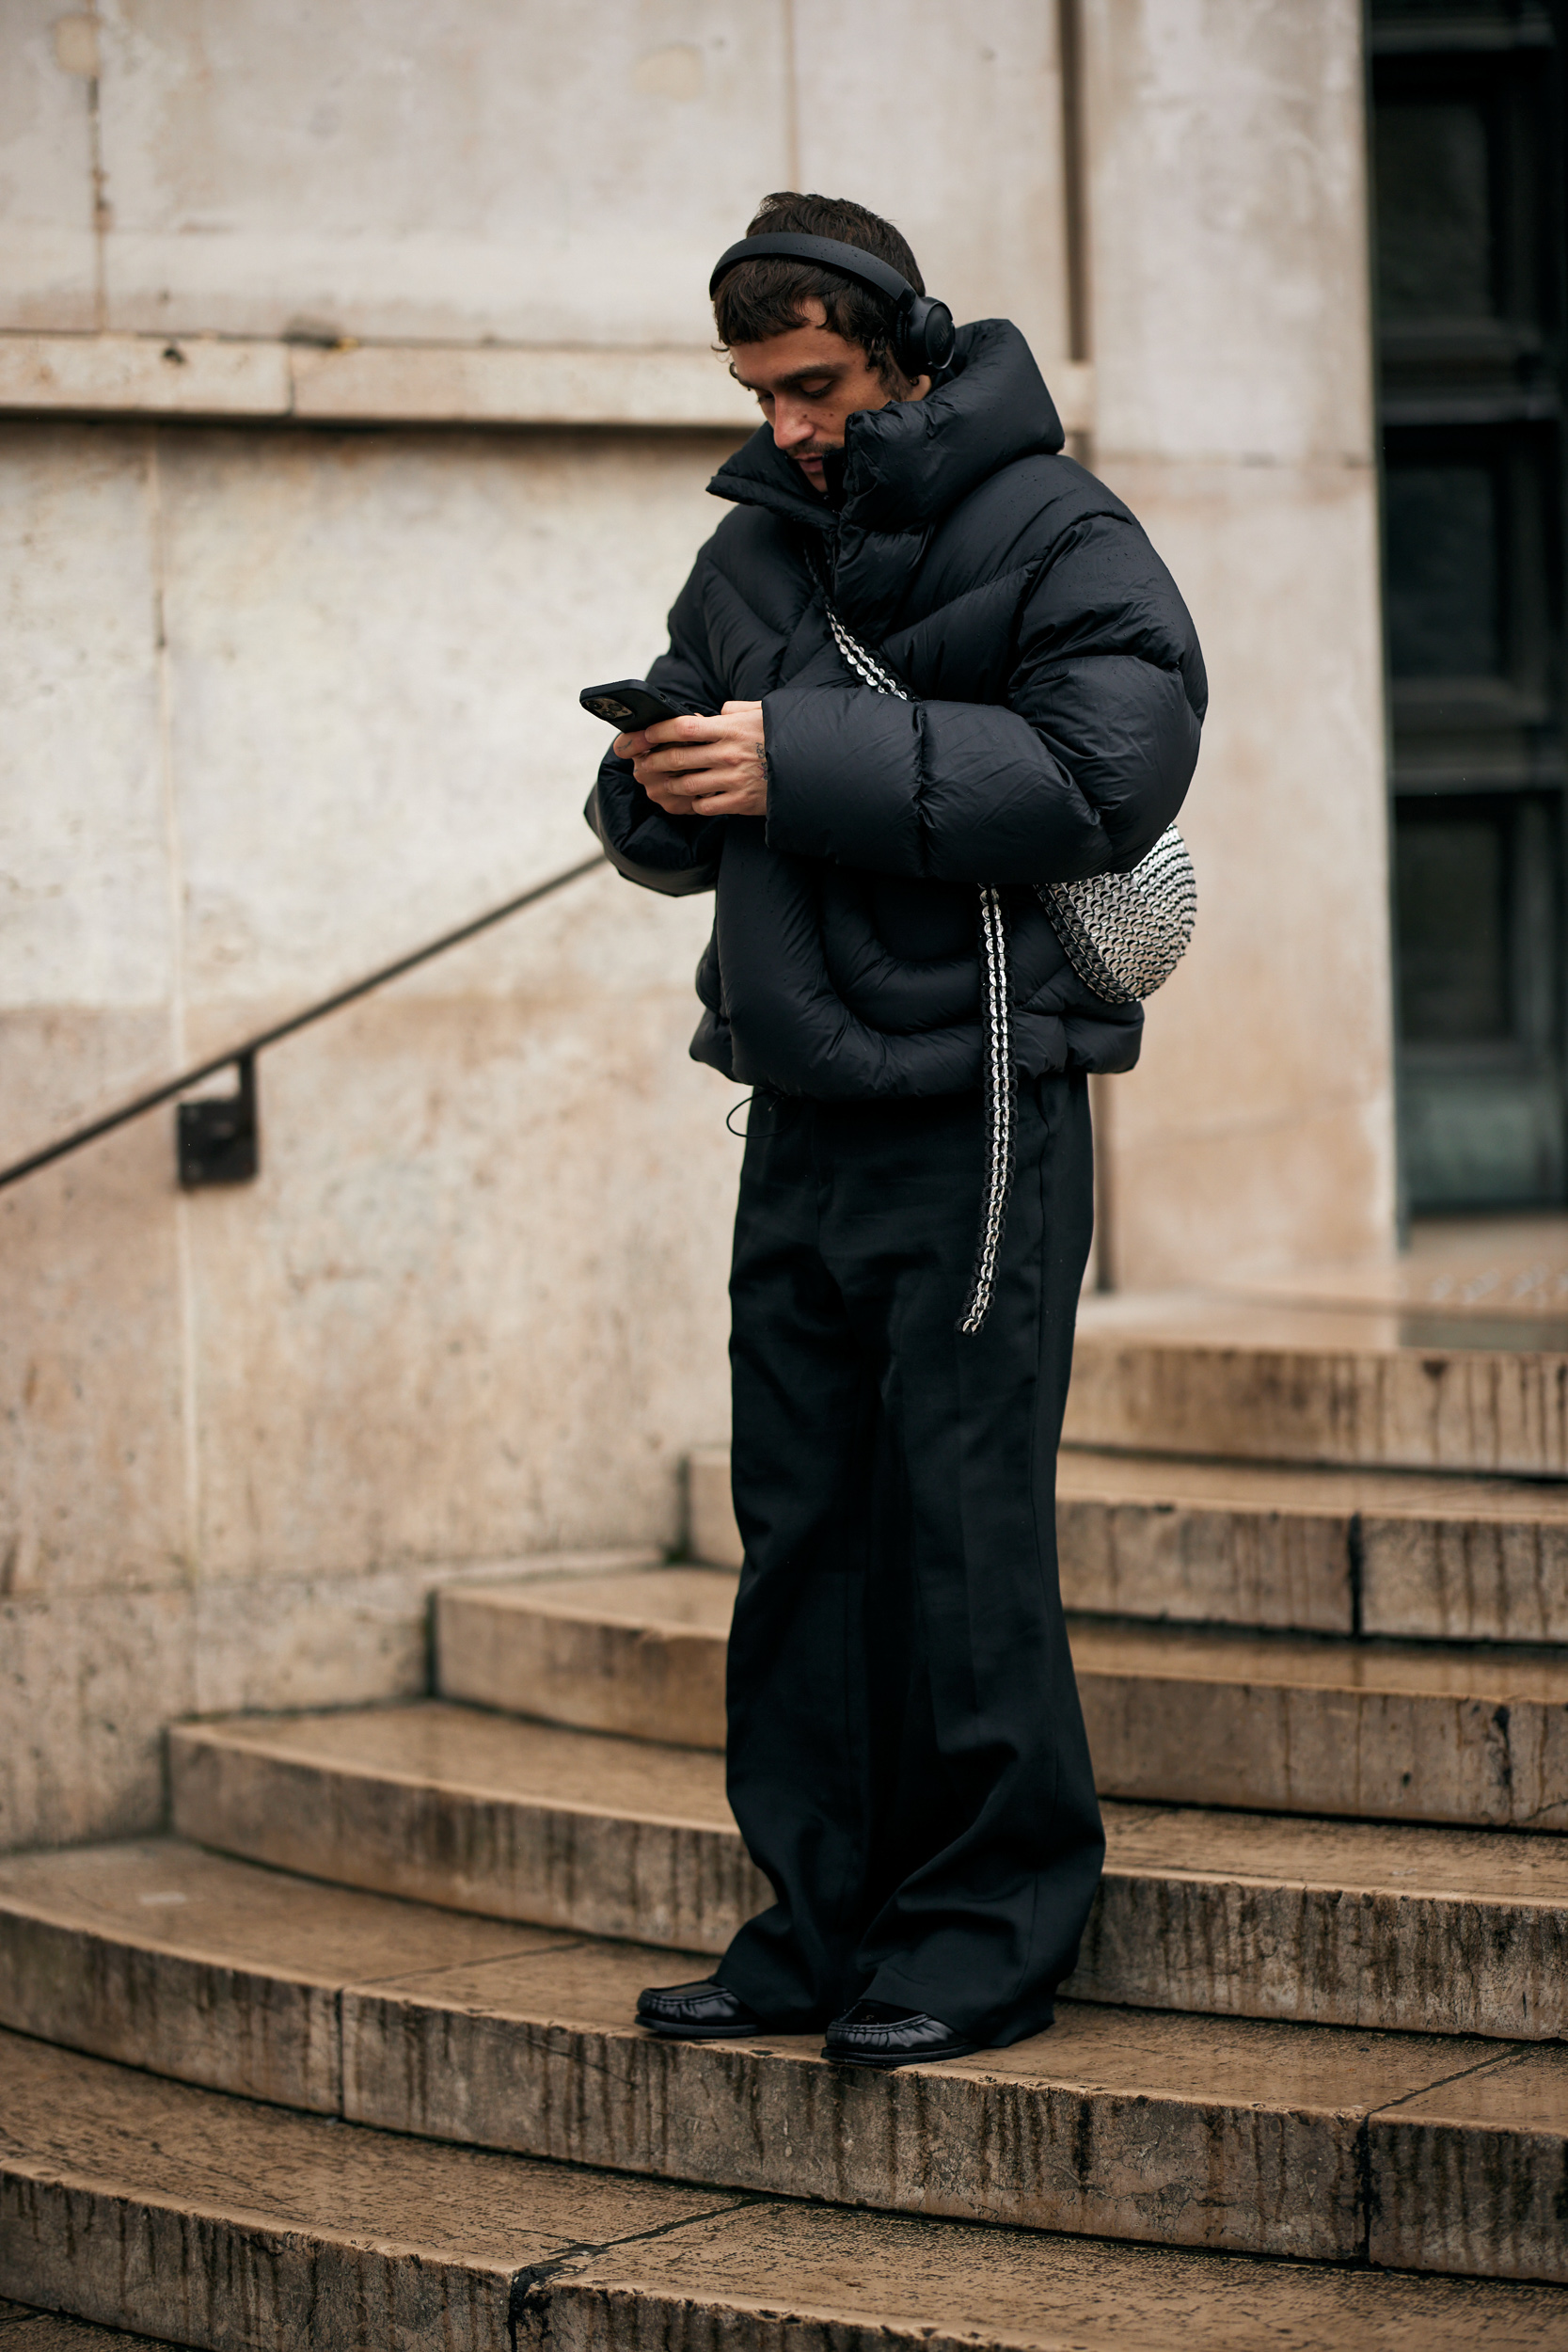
<point>905,465</point>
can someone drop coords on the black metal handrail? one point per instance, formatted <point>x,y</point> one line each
<point>218,1138</point>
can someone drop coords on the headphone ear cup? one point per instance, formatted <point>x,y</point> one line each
<point>926,337</point>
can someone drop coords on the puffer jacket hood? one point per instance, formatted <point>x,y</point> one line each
<point>907,464</point>
<point>1055,697</point>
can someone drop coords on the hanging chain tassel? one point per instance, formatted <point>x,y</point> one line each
<point>996,1021</point>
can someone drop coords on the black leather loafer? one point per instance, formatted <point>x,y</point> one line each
<point>696,2013</point>
<point>874,2033</point>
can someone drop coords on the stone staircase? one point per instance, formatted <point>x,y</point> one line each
<point>346,2059</point>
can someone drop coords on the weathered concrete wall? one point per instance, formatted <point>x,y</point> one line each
<point>279,706</point>
<point>1233,389</point>
<point>506,169</point>
<point>282,702</point>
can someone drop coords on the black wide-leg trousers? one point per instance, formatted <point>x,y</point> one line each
<point>907,1756</point>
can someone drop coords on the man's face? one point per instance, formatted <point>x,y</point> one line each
<point>809,383</point>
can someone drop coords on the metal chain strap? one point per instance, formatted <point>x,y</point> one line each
<point>996,1031</point>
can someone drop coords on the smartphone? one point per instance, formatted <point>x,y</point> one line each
<point>629,703</point>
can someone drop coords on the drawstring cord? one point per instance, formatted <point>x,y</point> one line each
<point>996,1020</point>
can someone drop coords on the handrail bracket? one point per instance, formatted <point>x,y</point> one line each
<point>219,1139</point>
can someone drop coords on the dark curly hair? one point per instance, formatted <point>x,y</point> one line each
<point>758,299</point>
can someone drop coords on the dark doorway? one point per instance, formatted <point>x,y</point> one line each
<point>1470,218</point>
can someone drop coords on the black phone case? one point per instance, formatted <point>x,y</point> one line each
<point>626,704</point>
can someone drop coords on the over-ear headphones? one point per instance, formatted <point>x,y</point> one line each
<point>922,337</point>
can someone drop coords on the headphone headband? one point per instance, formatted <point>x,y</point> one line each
<point>848,260</point>
<point>922,329</point>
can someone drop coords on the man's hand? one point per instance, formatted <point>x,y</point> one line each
<point>694,766</point>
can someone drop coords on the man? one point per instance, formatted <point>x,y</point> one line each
<point>907,1758</point>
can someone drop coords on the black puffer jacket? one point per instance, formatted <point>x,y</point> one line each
<point>1056,696</point>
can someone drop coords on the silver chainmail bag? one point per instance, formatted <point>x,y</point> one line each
<point>1123,934</point>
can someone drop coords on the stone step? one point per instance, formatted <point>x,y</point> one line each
<point>29,2331</point>
<point>1244,1914</point>
<point>1095,2127</point>
<point>1393,1553</point>
<point>476,1812</point>
<point>712,1537</point>
<point>1212,1716</point>
<point>210,1970</point>
<point>1374,1731</point>
<point>641,1655</point>
<point>222,2224</point>
<point>1227,1377</point>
